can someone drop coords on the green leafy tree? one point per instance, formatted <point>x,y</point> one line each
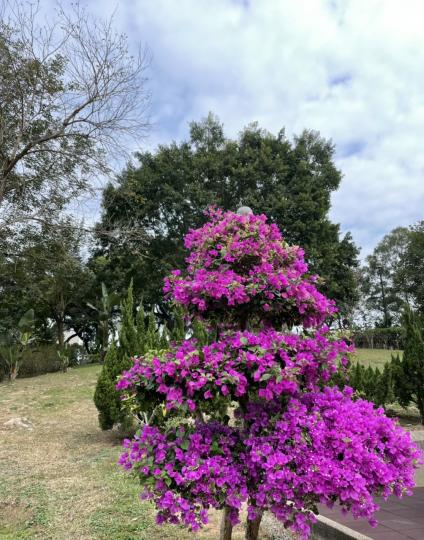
<point>414,263</point>
<point>153,204</point>
<point>58,280</point>
<point>47,273</point>
<point>384,278</point>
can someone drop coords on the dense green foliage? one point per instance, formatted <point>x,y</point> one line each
<point>410,370</point>
<point>46,273</point>
<point>414,266</point>
<point>380,338</point>
<point>372,383</point>
<point>137,335</point>
<point>168,191</point>
<point>401,379</point>
<point>41,358</point>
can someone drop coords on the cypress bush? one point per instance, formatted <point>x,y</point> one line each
<point>105,397</point>
<point>135,338</point>
<point>369,383</point>
<point>409,372</point>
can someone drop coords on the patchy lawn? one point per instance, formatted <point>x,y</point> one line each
<point>60,480</point>
<point>375,357</point>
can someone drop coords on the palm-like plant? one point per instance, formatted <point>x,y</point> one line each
<point>14,345</point>
<point>104,311</point>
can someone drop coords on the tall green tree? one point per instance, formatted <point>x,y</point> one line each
<point>385,284</point>
<point>137,335</point>
<point>414,266</point>
<point>167,192</point>
<point>47,273</point>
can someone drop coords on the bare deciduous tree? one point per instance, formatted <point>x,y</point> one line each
<point>72,98</point>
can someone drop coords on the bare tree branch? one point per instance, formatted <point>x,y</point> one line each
<point>72,100</point>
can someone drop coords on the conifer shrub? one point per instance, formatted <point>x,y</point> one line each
<point>369,383</point>
<point>136,337</point>
<point>409,372</point>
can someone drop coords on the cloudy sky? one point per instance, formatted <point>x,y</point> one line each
<point>354,70</point>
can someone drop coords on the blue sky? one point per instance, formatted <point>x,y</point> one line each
<point>351,69</point>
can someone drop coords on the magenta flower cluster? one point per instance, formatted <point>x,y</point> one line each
<point>241,260</point>
<point>293,442</point>
<point>274,363</point>
<point>323,448</point>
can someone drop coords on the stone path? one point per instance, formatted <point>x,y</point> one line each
<point>398,519</point>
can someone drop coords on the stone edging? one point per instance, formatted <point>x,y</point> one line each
<point>324,529</point>
<point>327,529</point>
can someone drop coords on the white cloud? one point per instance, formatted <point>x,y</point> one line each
<point>350,69</point>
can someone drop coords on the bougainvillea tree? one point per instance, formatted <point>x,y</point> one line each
<point>260,427</point>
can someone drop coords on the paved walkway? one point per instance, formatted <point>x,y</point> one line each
<point>398,519</point>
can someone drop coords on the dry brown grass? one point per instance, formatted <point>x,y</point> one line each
<point>60,481</point>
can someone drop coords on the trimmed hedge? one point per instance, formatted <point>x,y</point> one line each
<point>43,358</point>
<point>380,338</point>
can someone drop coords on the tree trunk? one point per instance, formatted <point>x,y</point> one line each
<point>252,528</point>
<point>226,527</point>
<point>13,373</point>
<point>60,332</point>
<point>60,321</point>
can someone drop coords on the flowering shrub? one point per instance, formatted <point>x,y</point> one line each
<point>292,442</point>
<point>322,448</point>
<point>272,363</point>
<point>242,263</point>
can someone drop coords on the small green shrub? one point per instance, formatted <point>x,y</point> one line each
<point>136,337</point>
<point>409,372</point>
<point>369,383</point>
<point>39,359</point>
<point>106,398</point>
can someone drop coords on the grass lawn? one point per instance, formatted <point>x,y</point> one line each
<point>375,357</point>
<point>60,481</point>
